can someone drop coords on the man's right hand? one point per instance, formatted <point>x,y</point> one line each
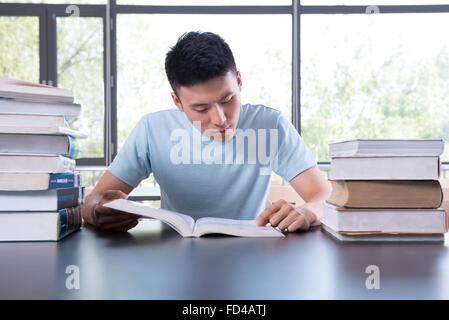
<point>106,218</point>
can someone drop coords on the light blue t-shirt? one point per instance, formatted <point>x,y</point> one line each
<point>204,178</point>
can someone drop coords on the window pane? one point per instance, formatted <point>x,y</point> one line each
<point>19,45</point>
<point>262,50</point>
<point>207,2</point>
<point>374,76</point>
<point>370,2</point>
<point>80,68</point>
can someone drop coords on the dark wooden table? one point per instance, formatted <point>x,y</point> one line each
<point>154,262</point>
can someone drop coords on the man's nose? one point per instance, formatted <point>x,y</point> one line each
<point>218,116</point>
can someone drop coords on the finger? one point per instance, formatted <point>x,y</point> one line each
<point>131,225</point>
<point>113,195</point>
<point>297,224</point>
<point>264,217</point>
<point>280,215</point>
<point>289,219</point>
<point>120,226</point>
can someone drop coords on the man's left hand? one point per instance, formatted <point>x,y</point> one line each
<point>285,216</point>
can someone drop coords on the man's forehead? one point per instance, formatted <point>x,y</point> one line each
<point>210,91</point>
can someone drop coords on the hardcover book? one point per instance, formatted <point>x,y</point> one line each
<point>15,106</point>
<point>39,226</point>
<point>382,237</point>
<point>386,194</point>
<point>65,145</point>
<point>35,163</point>
<point>42,200</point>
<point>386,147</point>
<point>385,168</point>
<point>38,181</point>
<point>385,220</point>
<point>19,89</point>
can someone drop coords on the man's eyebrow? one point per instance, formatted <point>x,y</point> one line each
<point>195,105</point>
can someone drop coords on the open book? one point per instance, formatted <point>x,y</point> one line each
<point>187,227</point>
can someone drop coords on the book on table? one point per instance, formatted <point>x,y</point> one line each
<point>386,193</point>
<point>383,237</point>
<point>35,163</point>
<point>62,144</point>
<point>378,221</point>
<point>19,89</point>
<point>39,226</point>
<point>186,226</point>
<point>385,168</point>
<point>12,181</point>
<point>17,120</point>
<point>36,124</point>
<point>386,147</point>
<point>15,106</point>
<point>41,200</point>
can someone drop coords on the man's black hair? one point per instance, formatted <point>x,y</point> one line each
<point>198,57</point>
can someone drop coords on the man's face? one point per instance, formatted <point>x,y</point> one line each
<point>215,104</point>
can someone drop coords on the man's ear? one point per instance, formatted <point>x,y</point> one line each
<point>239,80</point>
<point>177,101</point>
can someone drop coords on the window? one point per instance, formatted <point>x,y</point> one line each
<point>80,68</point>
<point>19,45</point>
<point>374,76</point>
<point>206,2</point>
<point>143,41</point>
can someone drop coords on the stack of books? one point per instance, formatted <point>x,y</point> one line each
<point>385,190</point>
<point>40,194</point>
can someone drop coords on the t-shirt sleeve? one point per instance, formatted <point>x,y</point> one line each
<point>132,164</point>
<point>293,155</point>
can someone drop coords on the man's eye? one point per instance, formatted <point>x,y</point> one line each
<point>227,101</point>
<point>202,111</point>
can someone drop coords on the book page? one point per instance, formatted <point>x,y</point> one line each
<point>230,222</point>
<point>243,228</point>
<point>182,223</point>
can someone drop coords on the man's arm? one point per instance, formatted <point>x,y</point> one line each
<point>313,189</point>
<point>107,189</point>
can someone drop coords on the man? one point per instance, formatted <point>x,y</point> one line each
<point>184,148</point>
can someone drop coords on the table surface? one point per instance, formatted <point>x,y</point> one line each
<point>152,261</point>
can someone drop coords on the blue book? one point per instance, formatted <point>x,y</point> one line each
<point>39,226</point>
<point>64,180</point>
<point>38,181</point>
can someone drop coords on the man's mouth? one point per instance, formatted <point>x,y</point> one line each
<point>223,132</point>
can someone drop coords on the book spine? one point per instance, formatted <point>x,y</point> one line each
<point>64,180</point>
<point>69,221</point>
<point>74,150</point>
<point>68,197</point>
<point>65,165</point>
